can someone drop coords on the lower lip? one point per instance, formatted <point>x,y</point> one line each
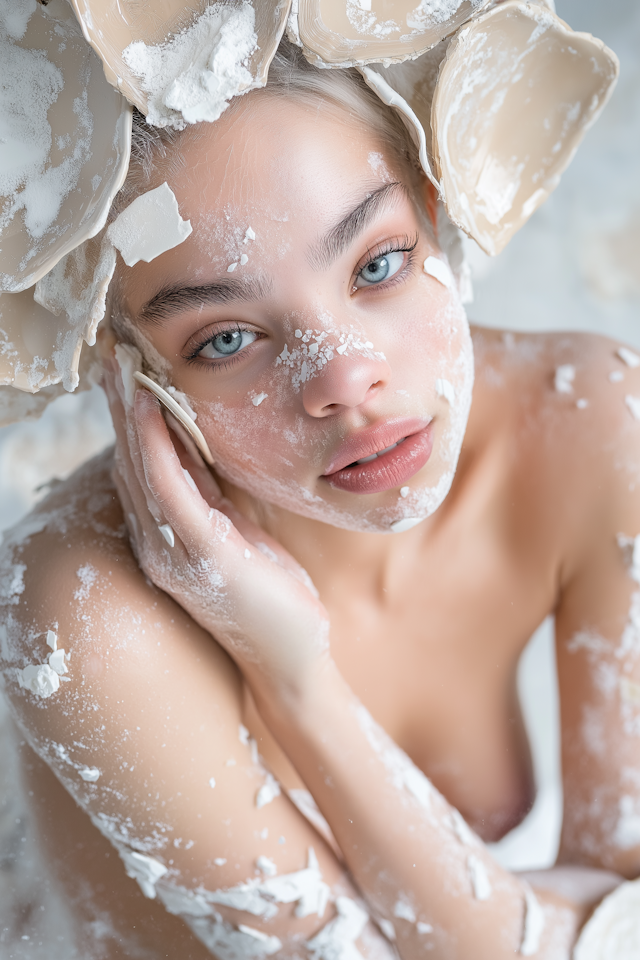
<point>390,470</point>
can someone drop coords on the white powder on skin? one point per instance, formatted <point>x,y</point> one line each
<point>633,403</point>
<point>613,931</point>
<point>15,17</point>
<point>582,403</point>
<point>533,924</point>
<point>630,547</point>
<point>439,270</point>
<point>316,348</point>
<point>628,356</point>
<point>479,878</point>
<point>404,911</point>
<point>149,226</point>
<point>337,939</point>
<point>193,76</point>
<point>424,927</point>
<point>564,377</point>
<point>445,389</point>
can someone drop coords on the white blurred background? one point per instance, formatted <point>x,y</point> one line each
<point>576,265</point>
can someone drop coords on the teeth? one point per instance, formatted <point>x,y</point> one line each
<point>374,456</point>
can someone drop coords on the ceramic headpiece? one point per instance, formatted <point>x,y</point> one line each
<point>497,96</point>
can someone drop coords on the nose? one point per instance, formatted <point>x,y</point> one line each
<point>344,383</point>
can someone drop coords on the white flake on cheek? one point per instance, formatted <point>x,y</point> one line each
<point>445,389</point>
<point>89,774</point>
<point>149,226</point>
<point>405,491</point>
<point>533,924</point>
<point>257,400</point>
<point>439,270</point>
<point>564,377</point>
<point>633,404</point>
<point>479,878</point>
<point>628,356</point>
<point>167,532</point>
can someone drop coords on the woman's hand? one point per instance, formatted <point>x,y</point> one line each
<point>234,580</point>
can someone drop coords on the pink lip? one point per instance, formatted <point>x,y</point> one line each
<point>390,470</point>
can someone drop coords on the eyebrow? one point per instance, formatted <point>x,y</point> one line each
<point>338,239</point>
<point>174,298</point>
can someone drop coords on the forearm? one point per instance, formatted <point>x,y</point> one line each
<point>403,843</point>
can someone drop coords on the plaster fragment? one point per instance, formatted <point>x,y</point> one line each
<point>271,943</point>
<point>244,259</point>
<point>40,679</point>
<point>181,901</point>
<point>249,234</point>
<point>266,866</point>
<point>423,927</point>
<point>406,523</point>
<point>533,924</point>
<point>167,532</point>
<point>564,377</point>
<point>89,774</point>
<point>190,481</point>
<point>146,870</point>
<point>633,403</point>
<point>257,400</point>
<point>268,791</point>
<point>628,356</point>
<point>305,888</point>
<point>404,911</point>
<point>149,226</point>
<point>337,939</point>
<point>232,267</point>
<point>479,878</point>
<point>439,270</point>
<point>52,640</point>
<point>56,662</point>
<point>243,735</point>
<point>445,389</point>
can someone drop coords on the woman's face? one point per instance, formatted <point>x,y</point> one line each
<point>298,319</point>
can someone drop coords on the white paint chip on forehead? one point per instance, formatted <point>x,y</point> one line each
<point>439,270</point>
<point>149,226</point>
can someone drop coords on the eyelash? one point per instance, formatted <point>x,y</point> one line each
<point>406,245</point>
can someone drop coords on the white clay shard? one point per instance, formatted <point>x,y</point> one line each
<point>406,523</point>
<point>423,928</point>
<point>633,405</point>
<point>149,226</point>
<point>533,926</point>
<point>404,911</point>
<point>478,877</point>
<point>268,791</point>
<point>181,901</point>
<point>445,389</point>
<point>628,356</point>
<point>243,735</point>
<point>257,400</point>
<point>249,235</point>
<point>439,270</point>
<point>167,532</point>
<point>266,866</point>
<point>563,379</point>
<point>269,944</point>
<point>305,888</point>
<point>39,679</point>
<point>337,939</point>
<point>404,492</point>
<point>89,774</point>
<point>190,481</point>
<point>146,870</point>
<point>613,931</point>
<point>52,640</point>
<point>56,662</point>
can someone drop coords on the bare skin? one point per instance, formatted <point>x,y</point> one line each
<point>426,626</point>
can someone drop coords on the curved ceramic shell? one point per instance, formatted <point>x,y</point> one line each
<point>355,32</point>
<point>111,25</point>
<point>88,126</point>
<point>516,93</point>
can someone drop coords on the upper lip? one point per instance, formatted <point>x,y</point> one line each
<point>373,439</point>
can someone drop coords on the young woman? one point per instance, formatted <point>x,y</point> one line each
<point>324,627</point>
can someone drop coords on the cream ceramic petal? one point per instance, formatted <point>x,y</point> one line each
<point>498,112</point>
<point>64,141</point>
<point>516,93</point>
<point>356,32</point>
<point>111,26</point>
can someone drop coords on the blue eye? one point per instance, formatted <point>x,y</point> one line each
<point>226,344</point>
<point>380,269</point>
